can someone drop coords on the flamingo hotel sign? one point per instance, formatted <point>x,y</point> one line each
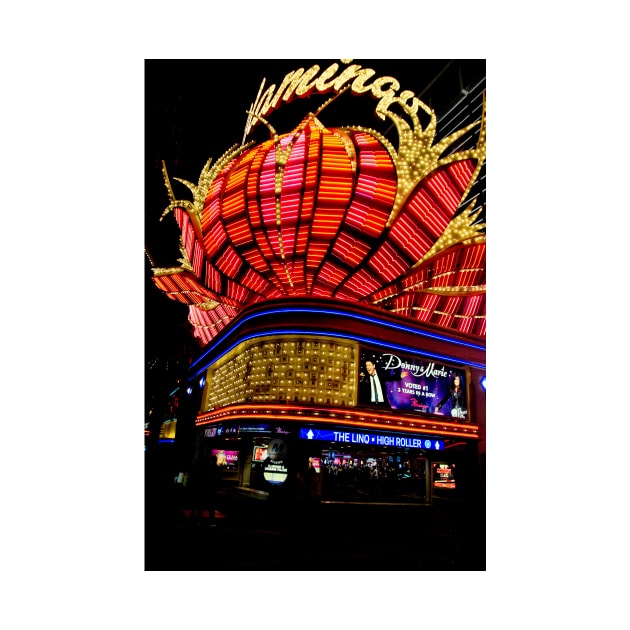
<point>302,83</point>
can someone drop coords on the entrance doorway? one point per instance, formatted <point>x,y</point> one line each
<point>374,476</point>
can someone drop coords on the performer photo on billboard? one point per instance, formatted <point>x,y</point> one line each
<point>412,383</point>
<point>373,383</point>
<point>456,398</point>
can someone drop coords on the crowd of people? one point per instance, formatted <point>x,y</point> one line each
<point>373,478</point>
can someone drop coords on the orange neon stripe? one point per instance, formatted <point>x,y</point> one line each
<point>341,416</point>
<point>374,425</point>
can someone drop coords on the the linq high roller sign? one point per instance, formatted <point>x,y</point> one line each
<point>373,439</point>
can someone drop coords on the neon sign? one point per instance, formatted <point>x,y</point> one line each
<point>373,439</point>
<point>303,83</point>
<point>337,213</point>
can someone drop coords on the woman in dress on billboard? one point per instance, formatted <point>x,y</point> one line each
<point>455,395</point>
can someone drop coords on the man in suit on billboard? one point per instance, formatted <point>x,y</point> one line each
<point>372,386</point>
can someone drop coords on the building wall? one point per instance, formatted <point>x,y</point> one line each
<point>286,366</point>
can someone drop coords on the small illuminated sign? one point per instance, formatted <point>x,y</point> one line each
<point>226,459</point>
<point>373,439</point>
<point>444,476</point>
<point>219,430</point>
<point>254,428</point>
<point>275,473</point>
<point>275,470</point>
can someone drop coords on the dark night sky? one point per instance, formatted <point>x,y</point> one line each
<point>196,109</point>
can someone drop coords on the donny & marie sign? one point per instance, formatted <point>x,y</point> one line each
<point>412,383</point>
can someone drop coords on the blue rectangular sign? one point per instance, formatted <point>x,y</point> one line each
<point>373,439</point>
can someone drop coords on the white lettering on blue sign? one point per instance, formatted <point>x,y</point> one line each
<point>406,442</point>
<point>384,440</point>
<point>399,441</point>
<point>360,438</point>
<point>341,437</point>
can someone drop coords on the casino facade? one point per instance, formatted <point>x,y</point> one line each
<point>335,280</point>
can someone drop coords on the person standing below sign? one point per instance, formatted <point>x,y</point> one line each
<point>206,485</point>
<point>372,387</point>
<point>455,395</point>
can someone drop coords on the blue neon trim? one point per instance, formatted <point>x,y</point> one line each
<point>343,314</point>
<point>340,336</point>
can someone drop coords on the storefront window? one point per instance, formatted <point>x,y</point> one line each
<point>373,476</point>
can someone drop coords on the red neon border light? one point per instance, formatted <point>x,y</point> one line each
<point>297,413</point>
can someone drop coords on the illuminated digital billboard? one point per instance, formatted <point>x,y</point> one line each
<point>228,460</point>
<point>260,454</point>
<point>444,476</point>
<point>412,383</point>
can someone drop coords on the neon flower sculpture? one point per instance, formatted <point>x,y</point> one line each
<point>335,213</point>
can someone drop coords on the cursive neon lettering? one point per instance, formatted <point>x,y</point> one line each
<point>321,84</point>
<point>291,79</point>
<point>394,362</point>
<point>266,99</point>
<point>304,88</point>
<point>302,83</point>
<point>358,85</point>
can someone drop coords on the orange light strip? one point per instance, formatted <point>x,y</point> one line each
<point>389,262</point>
<point>197,259</point>
<point>230,262</point>
<point>444,190</point>
<point>461,173</point>
<point>363,282</point>
<point>481,327</point>
<point>254,281</point>
<point>351,417</point>
<point>214,237</point>
<point>428,213</point>
<point>410,236</point>
<point>350,249</point>
<point>236,291</point>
